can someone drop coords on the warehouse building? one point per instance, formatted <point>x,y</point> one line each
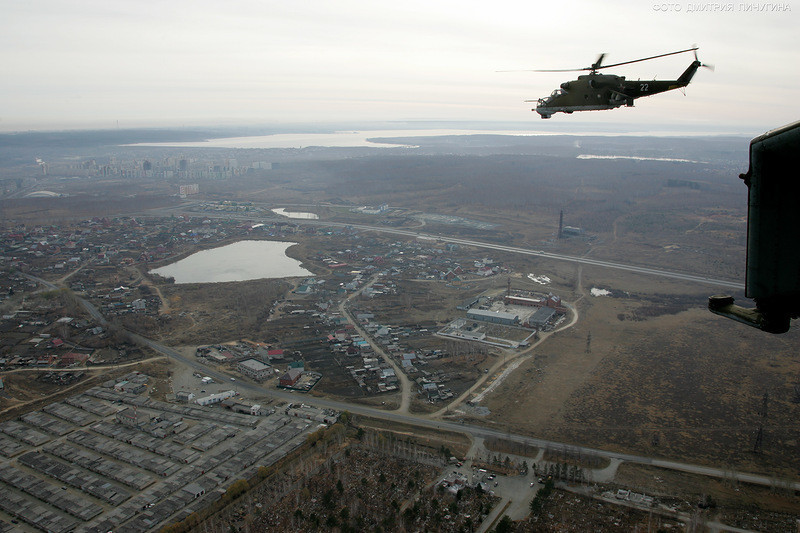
<point>495,317</point>
<point>541,317</point>
<point>215,398</point>
<point>253,368</point>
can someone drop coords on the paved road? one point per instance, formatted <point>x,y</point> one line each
<point>420,421</point>
<point>475,431</point>
<point>472,430</point>
<point>684,276</point>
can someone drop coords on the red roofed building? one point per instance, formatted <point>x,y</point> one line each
<point>290,378</point>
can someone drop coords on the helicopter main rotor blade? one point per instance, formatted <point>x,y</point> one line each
<point>596,66</point>
<point>564,70</point>
<point>649,58</point>
<point>560,70</point>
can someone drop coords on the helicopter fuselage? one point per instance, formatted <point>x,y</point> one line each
<point>594,91</point>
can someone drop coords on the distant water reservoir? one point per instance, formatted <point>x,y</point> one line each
<point>239,261</point>
<point>637,158</point>
<point>296,214</point>
<point>342,139</point>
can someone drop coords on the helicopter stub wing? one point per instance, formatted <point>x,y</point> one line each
<point>622,96</point>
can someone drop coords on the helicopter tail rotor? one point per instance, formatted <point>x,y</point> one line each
<point>706,65</point>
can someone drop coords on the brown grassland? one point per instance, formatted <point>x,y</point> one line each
<point>656,374</point>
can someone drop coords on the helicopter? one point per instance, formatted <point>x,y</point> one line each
<point>596,91</point>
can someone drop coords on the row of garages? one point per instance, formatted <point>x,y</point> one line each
<point>98,464</point>
<point>158,465</point>
<point>109,476</point>
<point>204,481</point>
<point>75,477</point>
<point>34,514</point>
<point>61,499</point>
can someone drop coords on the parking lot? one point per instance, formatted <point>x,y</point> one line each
<point>515,491</point>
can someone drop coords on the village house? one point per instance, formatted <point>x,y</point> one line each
<point>289,379</point>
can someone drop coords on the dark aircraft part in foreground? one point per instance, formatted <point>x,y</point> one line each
<point>773,234</point>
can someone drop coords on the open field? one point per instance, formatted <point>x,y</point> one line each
<point>26,391</point>
<point>737,504</point>
<point>654,373</point>
<point>218,312</point>
<point>50,211</point>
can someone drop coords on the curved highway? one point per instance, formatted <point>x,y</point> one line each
<point>470,429</point>
<point>649,271</point>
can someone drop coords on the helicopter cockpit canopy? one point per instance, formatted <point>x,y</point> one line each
<point>555,94</point>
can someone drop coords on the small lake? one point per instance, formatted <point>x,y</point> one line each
<point>240,261</point>
<point>296,214</point>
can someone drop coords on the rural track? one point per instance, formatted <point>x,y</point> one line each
<point>405,383</point>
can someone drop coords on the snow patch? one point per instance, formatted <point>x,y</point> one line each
<point>541,280</point>
<point>600,292</point>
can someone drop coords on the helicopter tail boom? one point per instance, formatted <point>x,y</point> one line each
<point>639,88</point>
<point>688,74</point>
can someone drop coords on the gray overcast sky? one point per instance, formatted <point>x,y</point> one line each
<point>92,63</point>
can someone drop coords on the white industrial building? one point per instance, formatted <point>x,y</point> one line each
<point>215,398</point>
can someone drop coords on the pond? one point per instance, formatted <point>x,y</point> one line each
<point>296,214</point>
<point>240,261</point>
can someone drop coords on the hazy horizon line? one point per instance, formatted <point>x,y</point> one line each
<point>226,129</point>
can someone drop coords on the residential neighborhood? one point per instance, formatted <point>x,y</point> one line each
<point>109,261</point>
